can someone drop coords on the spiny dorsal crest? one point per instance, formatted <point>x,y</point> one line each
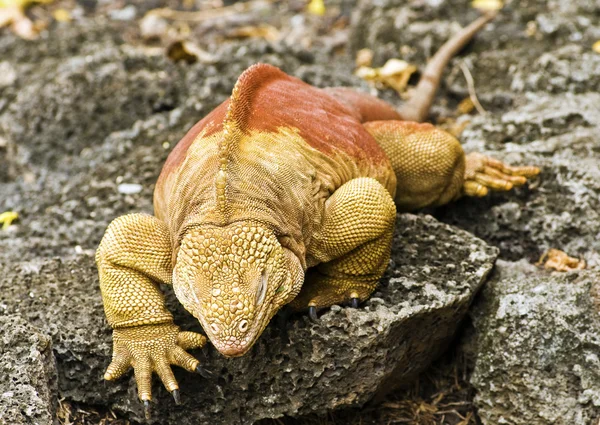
<point>236,120</point>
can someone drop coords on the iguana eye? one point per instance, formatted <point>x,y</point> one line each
<point>262,288</point>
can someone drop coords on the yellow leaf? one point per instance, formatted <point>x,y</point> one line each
<point>395,74</point>
<point>265,31</point>
<point>8,15</point>
<point>531,29</point>
<point>366,73</point>
<point>6,218</point>
<point>558,260</point>
<point>12,12</point>
<point>316,7</point>
<point>21,4</point>
<point>62,15</point>
<point>487,5</point>
<point>189,52</point>
<point>596,47</point>
<point>465,106</point>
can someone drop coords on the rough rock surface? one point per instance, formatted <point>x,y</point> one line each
<point>28,386</point>
<point>398,332</point>
<point>537,347</point>
<point>86,108</point>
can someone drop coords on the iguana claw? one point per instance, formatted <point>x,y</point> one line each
<point>147,414</point>
<point>354,302</point>
<point>176,396</point>
<point>205,373</point>
<point>312,313</point>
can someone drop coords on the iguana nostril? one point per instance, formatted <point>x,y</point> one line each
<point>243,326</point>
<point>215,328</point>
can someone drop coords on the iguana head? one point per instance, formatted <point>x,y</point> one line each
<point>234,279</point>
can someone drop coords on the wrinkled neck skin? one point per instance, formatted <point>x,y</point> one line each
<point>233,279</point>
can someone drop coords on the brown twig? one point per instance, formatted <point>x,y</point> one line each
<point>471,87</point>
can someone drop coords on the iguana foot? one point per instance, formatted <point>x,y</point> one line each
<point>154,348</point>
<point>483,173</point>
<point>321,291</point>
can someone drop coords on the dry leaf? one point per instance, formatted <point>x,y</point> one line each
<point>8,15</point>
<point>189,52</point>
<point>395,74</point>
<point>204,15</point>
<point>453,126</point>
<point>465,106</point>
<point>366,73</point>
<point>21,4</point>
<point>364,57</point>
<point>596,47</point>
<point>6,218</point>
<point>62,15</point>
<point>487,5</point>
<point>316,7</point>
<point>531,28</point>
<point>558,260</point>
<point>268,32</point>
<point>12,12</point>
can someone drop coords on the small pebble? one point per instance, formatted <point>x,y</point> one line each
<point>125,14</point>
<point>129,188</point>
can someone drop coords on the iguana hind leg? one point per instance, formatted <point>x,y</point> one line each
<point>432,169</point>
<point>353,246</point>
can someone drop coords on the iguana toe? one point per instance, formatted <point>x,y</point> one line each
<point>483,173</point>
<point>118,366</point>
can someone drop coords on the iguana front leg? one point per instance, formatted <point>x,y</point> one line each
<point>352,247</point>
<point>133,257</point>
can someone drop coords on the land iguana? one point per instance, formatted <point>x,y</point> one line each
<point>285,194</point>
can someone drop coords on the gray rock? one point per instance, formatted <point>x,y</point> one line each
<point>537,347</point>
<point>88,111</point>
<point>561,208</point>
<point>28,386</point>
<point>345,360</point>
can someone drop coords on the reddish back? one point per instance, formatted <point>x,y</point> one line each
<point>266,98</point>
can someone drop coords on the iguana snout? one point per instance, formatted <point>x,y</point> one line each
<point>234,279</point>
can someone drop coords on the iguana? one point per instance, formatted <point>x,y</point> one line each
<point>285,194</point>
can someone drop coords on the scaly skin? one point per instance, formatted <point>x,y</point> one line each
<point>281,181</point>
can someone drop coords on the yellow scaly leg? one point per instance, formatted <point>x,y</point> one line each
<point>133,257</point>
<point>431,167</point>
<point>353,246</point>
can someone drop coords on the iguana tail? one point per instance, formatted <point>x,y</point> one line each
<point>417,108</point>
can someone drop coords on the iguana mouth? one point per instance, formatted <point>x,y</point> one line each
<point>236,346</point>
